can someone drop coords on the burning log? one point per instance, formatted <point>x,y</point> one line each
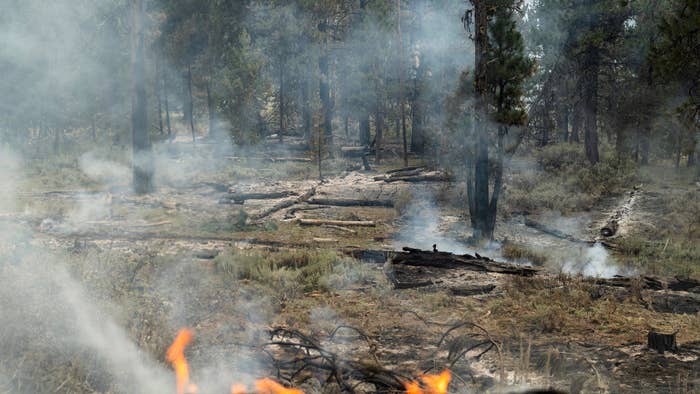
<point>420,258</point>
<point>662,342</point>
<point>348,202</point>
<point>323,222</point>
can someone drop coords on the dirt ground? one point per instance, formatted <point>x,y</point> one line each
<point>551,331</point>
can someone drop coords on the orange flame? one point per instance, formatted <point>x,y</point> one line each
<point>176,357</point>
<point>434,384</point>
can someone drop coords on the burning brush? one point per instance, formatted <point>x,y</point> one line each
<point>431,384</point>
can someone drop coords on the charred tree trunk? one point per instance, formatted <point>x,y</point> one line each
<point>401,92</point>
<point>142,161</point>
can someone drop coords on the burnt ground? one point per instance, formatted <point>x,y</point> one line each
<point>550,331</point>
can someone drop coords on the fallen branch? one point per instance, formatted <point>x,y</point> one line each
<point>339,228</point>
<point>434,176</point>
<point>321,222</point>
<point>239,198</point>
<point>290,214</point>
<point>347,202</point>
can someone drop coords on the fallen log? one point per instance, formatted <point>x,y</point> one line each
<point>426,177</point>
<point>420,258</point>
<point>285,204</point>
<point>348,202</point>
<point>234,196</point>
<point>322,222</point>
<point>679,303</point>
<point>290,214</point>
<point>403,169</point>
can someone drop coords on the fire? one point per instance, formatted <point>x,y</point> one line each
<point>176,357</point>
<point>434,384</point>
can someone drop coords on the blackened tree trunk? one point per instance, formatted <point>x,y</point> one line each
<point>142,160</point>
<point>590,103</point>
<point>480,210</point>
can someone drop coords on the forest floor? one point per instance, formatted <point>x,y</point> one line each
<point>187,256</point>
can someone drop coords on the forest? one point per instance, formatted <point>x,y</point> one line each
<point>349,196</point>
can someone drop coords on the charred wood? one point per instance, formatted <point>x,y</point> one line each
<point>420,258</point>
<point>348,202</point>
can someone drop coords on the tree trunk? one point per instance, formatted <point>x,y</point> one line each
<point>590,103</point>
<point>158,98</point>
<point>210,109</point>
<point>325,96</point>
<point>480,207</point>
<point>364,130</point>
<point>281,102</point>
<point>306,111</point>
<point>417,116</point>
<point>576,123</point>
<point>167,108</point>
<point>379,126</point>
<point>563,122</point>
<point>142,160</point>
<point>401,92</point>
<point>190,104</point>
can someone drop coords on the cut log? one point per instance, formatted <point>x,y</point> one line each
<point>285,204</point>
<point>404,169</point>
<point>609,229</point>
<point>661,342</point>
<point>239,198</point>
<point>420,258</point>
<point>322,222</point>
<point>424,177</point>
<point>347,202</point>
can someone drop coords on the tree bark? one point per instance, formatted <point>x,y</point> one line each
<point>401,92</point>
<point>142,160</point>
<point>325,96</point>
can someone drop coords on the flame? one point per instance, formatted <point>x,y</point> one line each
<point>176,357</point>
<point>434,384</point>
<point>269,386</point>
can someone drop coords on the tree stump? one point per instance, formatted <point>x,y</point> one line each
<point>661,342</point>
